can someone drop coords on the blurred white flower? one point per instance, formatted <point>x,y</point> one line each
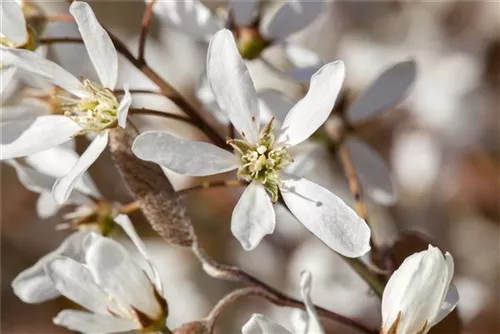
<point>419,294</point>
<point>40,172</point>
<point>260,156</point>
<point>91,108</point>
<point>416,159</point>
<point>100,275</point>
<point>303,323</point>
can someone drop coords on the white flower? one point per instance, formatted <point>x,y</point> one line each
<point>262,154</point>
<point>195,19</point>
<point>91,107</point>
<point>40,172</point>
<point>100,275</point>
<point>304,324</point>
<point>419,294</point>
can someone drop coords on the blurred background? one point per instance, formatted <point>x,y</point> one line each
<point>441,145</point>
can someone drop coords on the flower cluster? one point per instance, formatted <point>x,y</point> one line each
<point>120,292</point>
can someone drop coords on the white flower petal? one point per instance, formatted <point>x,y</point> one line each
<point>313,110</point>
<point>275,104</point>
<point>372,171</point>
<point>128,227</point>
<point>123,107</point>
<point>64,185</point>
<point>57,162</point>
<point>326,216</point>
<point>34,63</point>
<point>231,83</point>
<point>313,325</point>
<point>22,111</point>
<point>33,285</point>
<point>117,273</point>
<point>191,17</point>
<point>25,137</point>
<point>416,289</point>
<point>449,304</point>
<point>185,157</point>
<point>259,324</point>
<point>86,322</point>
<point>253,217</point>
<point>243,11</point>
<point>74,281</point>
<point>385,92</point>
<point>6,76</point>
<point>101,50</point>
<point>13,22</point>
<point>46,206</point>
<point>290,18</point>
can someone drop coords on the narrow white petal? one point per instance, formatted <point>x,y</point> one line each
<point>46,206</point>
<point>123,107</point>
<point>99,46</point>
<point>231,83</point>
<point>260,324</point>
<point>34,63</point>
<point>313,324</point>
<point>372,171</point>
<point>291,17</point>
<point>385,92</point>
<point>74,281</point>
<point>243,11</point>
<point>449,304</point>
<point>25,137</point>
<point>22,111</point>
<point>86,322</point>
<point>415,289</point>
<point>191,17</point>
<point>275,104</point>
<point>327,217</point>
<point>33,285</point>
<point>119,275</point>
<point>313,110</point>
<point>253,217</point>
<point>64,185</point>
<point>13,22</point>
<point>57,162</point>
<point>128,227</point>
<point>185,157</point>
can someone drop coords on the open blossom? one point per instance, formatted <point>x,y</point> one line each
<point>101,276</point>
<point>87,107</point>
<point>262,155</point>
<point>419,294</point>
<point>304,324</point>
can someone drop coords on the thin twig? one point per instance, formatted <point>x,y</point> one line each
<point>352,178</point>
<point>146,111</point>
<point>232,273</point>
<point>146,20</point>
<point>130,207</point>
<point>212,184</point>
<point>138,91</point>
<point>53,40</point>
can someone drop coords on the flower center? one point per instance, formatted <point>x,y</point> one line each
<point>95,112</point>
<point>262,161</point>
<point>250,42</point>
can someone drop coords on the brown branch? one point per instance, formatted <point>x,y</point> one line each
<point>130,207</point>
<point>146,20</point>
<point>211,184</point>
<point>53,40</point>
<point>152,112</point>
<point>138,91</point>
<point>232,273</point>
